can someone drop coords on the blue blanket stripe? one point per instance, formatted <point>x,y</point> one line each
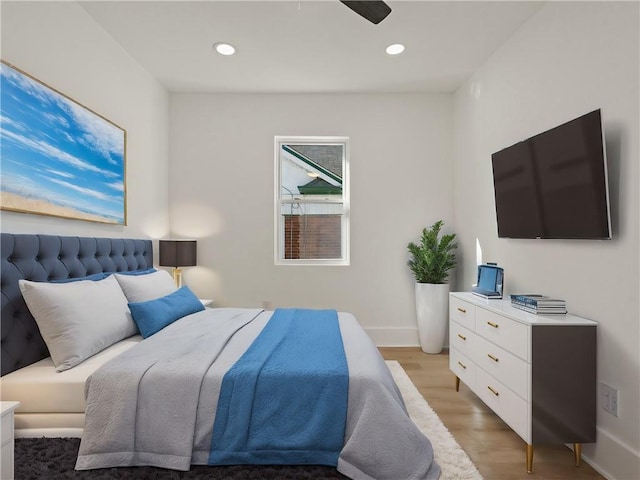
<point>285,400</point>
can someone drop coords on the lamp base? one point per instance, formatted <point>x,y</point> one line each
<point>177,276</point>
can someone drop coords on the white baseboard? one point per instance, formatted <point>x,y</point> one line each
<point>48,432</point>
<point>397,337</point>
<point>393,337</point>
<point>611,457</point>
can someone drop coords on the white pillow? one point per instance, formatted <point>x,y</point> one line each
<point>78,319</point>
<point>142,288</point>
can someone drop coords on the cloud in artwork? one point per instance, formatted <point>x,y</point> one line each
<point>54,152</point>
<point>97,133</point>
<point>8,121</point>
<point>56,120</point>
<point>117,186</point>
<point>60,173</point>
<point>85,191</point>
<point>29,86</point>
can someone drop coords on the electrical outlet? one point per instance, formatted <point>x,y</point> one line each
<point>267,305</point>
<point>609,399</point>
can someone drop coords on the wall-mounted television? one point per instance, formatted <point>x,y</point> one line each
<point>554,185</point>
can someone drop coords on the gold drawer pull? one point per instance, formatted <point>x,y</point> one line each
<point>462,365</point>
<point>495,392</point>
<point>462,336</point>
<point>462,310</point>
<point>494,325</point>
<point>495,359</point>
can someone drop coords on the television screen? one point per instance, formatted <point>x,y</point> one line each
<point>554,185</point>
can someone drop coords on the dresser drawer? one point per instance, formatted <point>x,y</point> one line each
<point>463,368</point>
<point>462,312</point>
<point>504,366</point>
<point>463,339</point>
<point>508,334</point>
<point>505,403</point>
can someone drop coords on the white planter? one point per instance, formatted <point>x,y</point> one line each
<point>432,309</point>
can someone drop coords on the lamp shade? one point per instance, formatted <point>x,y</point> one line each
<point>178,253</point>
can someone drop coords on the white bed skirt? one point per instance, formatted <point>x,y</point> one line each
<point>49,425</point>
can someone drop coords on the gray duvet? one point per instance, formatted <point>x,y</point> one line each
<point>156,403</point>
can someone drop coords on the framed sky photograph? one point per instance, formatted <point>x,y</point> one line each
<point>58,157</point>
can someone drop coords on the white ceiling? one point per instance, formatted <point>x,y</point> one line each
<point>309,46</point>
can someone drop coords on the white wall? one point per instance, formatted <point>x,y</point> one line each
<point>62,46</point>
<point>569,59</point>
<point>222,188</point>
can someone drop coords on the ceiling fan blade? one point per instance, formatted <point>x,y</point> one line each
<point>374,11</point>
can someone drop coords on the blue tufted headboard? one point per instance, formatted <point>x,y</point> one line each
<point>45,258</point>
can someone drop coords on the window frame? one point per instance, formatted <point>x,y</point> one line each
<point>344,260</point>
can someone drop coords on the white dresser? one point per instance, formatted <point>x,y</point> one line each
<point>6,436</point>
<point>536,372</point>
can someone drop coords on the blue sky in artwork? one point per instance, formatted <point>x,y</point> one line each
<point>56,150</point>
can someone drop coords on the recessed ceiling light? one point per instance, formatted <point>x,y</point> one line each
<point>224,48</point>
<point>395,49</point>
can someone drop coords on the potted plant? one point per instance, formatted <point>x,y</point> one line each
<point>430,263</point>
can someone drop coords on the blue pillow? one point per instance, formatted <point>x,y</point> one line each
<point>137,272</point>
<point>153,315</point>
<point>102,275</point>
<point>95,277</point>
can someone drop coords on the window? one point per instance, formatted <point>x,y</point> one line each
<point>312,201</point>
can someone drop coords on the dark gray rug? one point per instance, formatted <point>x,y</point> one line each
<point>54,458</point>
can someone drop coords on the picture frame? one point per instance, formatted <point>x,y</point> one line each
<point>59,158</point>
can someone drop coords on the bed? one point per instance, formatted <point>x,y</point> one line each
<point>170,399</point>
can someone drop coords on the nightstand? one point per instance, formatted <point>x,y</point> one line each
<point>6,437</point>
<point>206,302</point>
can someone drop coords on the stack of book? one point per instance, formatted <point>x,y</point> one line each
<point>535,303</point>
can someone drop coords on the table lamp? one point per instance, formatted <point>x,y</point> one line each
<point>176,254</point>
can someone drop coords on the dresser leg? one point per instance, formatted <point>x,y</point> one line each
<point>457,384</point>
<point>577,453</point>
<point>529,458</point>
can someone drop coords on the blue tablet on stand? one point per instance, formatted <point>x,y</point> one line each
<point>490,281</point>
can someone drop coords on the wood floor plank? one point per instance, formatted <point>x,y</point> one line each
<point>498,452</point>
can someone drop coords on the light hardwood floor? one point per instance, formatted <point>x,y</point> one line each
<point>498,453</point>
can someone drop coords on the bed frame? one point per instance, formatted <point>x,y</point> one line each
<point>44,258</point>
